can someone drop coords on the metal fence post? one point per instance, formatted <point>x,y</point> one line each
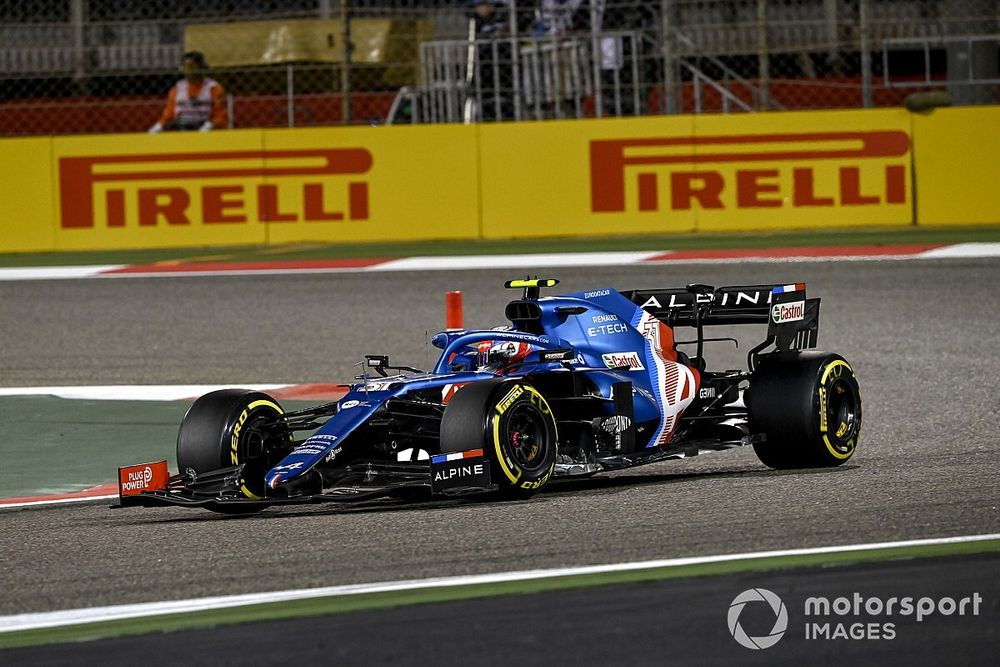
<point>515,66</point>
<point>866,55</point>
<point>79,56</point>
<point>345,70</point>
<point>595,47</point>
<point>763,67</point>
<point>671,89</point>
<point>290,94</point>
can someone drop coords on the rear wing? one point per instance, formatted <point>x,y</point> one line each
<point>792,319</point>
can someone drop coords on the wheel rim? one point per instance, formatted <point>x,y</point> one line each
<point>258,449</point>
<point>526,436</point>
<point>843,412</point>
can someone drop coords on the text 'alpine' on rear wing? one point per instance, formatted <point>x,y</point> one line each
<point>792,320</point>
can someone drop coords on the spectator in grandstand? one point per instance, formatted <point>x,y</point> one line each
<point>493,64</point>
<point>614,20</point>
<point>196,102</point>
<point>558,17</point>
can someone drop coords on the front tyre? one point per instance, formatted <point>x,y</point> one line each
<point>234,427</point>
<point>808,405</point>
<point>514,425</point>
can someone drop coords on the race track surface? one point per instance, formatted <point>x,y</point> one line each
<point>680,622</point>
<point>922,337</point>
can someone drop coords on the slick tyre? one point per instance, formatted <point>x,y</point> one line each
<point>808,405</point>
<point>234,427</point>
<point>513,424</point>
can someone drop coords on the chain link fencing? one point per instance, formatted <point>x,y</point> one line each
<point>93,66</point>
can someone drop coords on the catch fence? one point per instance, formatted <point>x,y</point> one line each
<point>92,66</point>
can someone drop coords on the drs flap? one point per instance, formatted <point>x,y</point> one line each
<point>133,480</point>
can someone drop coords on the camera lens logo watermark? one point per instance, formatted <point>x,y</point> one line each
<point>780,618</point>
<point>846,617</point>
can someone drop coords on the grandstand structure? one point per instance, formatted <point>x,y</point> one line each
<point>94,66</point>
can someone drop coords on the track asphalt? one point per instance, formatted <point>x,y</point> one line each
<point>921,334</point>
<point>682,621</point>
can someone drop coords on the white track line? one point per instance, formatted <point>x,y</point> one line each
<point>963,250</point>
<point>56,272</point>
<point>271,271</point>
<point>119,612</point>
<point>132,392</point>
<point>55,501</point>
<point>523,261</point>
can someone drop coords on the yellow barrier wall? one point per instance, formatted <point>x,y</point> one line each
<point>155,191</point>
<point>256,187</point>
<point>957,154</point>
<point>396,184</point>
<point>587,177</point>
<point>702,173</point>
<point>542,179</point>
<point>805,170</point>
<point>26,198</point>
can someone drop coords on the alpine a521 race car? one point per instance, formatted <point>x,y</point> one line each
<point>574,385</point>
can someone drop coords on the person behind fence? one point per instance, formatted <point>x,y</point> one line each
<point>493,75</point>
<point>557,18</point>
<point>196,102</point>
<point>623,27</point>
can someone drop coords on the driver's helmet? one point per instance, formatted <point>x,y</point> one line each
<point>498,357</point>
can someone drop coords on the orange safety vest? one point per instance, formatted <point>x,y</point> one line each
<point>191,111</point>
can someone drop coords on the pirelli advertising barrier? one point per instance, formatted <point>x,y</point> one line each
<point>957,165</point>
<point>705,173</point>
<point>593,177</point>
<point>240,187</point>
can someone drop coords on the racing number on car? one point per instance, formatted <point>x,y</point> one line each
<point>289,466</point>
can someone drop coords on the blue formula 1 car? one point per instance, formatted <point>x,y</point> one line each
<point>574,385</point>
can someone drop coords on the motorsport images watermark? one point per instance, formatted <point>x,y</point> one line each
<point>847,617</point>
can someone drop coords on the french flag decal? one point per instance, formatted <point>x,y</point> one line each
<point>471,454</point>
<point>784,289</point>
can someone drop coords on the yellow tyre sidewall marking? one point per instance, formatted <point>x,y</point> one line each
<point>248,493</point>
<point>502,406</point>
<point>822,383</point>
<point>234,441</point>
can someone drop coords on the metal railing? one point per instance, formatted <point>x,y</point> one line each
<point>973,75</point>
<point>700,80</point>
<point>74,66</point>
<point>524,79</point>
<point>759,96</point>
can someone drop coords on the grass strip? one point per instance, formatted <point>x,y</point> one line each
<point>371,601</point>
<point>320,251</point>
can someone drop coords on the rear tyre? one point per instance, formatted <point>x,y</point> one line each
<point>513,424</point>
<point>233,427</point>
<point>808,405</point>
